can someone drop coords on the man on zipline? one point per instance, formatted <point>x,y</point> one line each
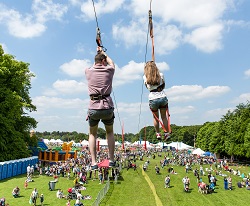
<point>155,83</point>
<point>101,107</point>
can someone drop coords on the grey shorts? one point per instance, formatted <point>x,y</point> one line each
<point>159,103</point>
<point>105,115</point>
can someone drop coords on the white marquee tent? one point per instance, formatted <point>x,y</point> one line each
<point>180,145</point>
<point>198,151</point>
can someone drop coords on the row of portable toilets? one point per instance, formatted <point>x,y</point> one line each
<point>16,167</point>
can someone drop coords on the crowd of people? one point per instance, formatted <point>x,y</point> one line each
<point>203,168</point>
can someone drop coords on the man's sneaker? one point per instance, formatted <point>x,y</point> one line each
<point>158,136</point>
<point>111,164</point>
<point>166,136</point>
<point>94,167</point>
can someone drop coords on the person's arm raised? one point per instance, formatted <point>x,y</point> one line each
<point>109,60</point>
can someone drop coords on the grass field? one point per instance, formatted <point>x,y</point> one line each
<point>133,189</point>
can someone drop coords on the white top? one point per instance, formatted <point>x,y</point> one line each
<point>155,95</point>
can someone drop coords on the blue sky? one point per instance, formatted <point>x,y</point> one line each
<point>201,46</point>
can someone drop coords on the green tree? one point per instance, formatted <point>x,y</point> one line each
<point>247,140</point>
<point>15,123</point>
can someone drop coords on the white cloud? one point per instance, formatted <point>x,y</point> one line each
<point>101,7</point>
<point>44,103</point>
<point>66,87</point>
<point>31,24</point>
<point>217,113</point>
<point>247,73</point>
<point>239,23</point>
<point>132,108</point>
<point>243,98</point>
<point>197,22</point>
<point>46,10</point>
<point>192,13</point>
<point>70,86</point>
<point>194,92</point>
<point>134,71</point>
<point>206,39</point>
<point>166,37</point>
<point>5,49</point>
<point>130,34</point>
<point>182,110</point>
<point>50,92</point>
<point>76,67</point>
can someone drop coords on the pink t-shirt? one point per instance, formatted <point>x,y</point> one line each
<point>100,79</point>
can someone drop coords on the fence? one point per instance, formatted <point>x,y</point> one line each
<point>101,194</point>
<point>104,191</point>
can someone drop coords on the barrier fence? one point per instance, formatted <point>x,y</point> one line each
<point>102,194</point>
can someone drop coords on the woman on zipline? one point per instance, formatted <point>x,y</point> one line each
<point>155,83</point>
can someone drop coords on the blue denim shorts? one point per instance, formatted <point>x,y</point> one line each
<point>105,115</point>
<point>159,103</point>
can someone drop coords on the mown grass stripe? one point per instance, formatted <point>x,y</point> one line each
<point>152,187</point>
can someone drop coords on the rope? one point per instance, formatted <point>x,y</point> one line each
<point>117,110</point>
<point>95,14</point>
<point>161,123</point>
<point>98,31</point>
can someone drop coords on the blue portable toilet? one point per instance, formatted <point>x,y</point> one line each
<point>4,171</point>
<point>14,169</point>
<point>35,160</point>
<point>24,167</point>
<point>1,166</point>
<point>19,167</point>
<point>29,161</point>
<point>9,169</point>
<point>32,161</point>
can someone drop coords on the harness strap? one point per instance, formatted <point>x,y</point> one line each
<point>98,39</point>
<point>98,96</point>
<point>161,123</point>
<point>159,88</point>
<point>150,24</point>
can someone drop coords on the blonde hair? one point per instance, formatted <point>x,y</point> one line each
<point>152,73</point>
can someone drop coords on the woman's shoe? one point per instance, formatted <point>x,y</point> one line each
<point>166,136</point>
<point>158,136</point>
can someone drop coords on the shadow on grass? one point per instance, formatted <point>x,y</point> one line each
<point>108,195</point>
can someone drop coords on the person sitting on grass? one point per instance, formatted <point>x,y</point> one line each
<point>78,202</point>
<point>59,194</point>
<point>16,192</point>
<point>2,201</point>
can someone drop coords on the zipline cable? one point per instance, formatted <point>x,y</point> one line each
<point>145,60</point>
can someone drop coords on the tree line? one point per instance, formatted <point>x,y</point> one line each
<point>230,136</point>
